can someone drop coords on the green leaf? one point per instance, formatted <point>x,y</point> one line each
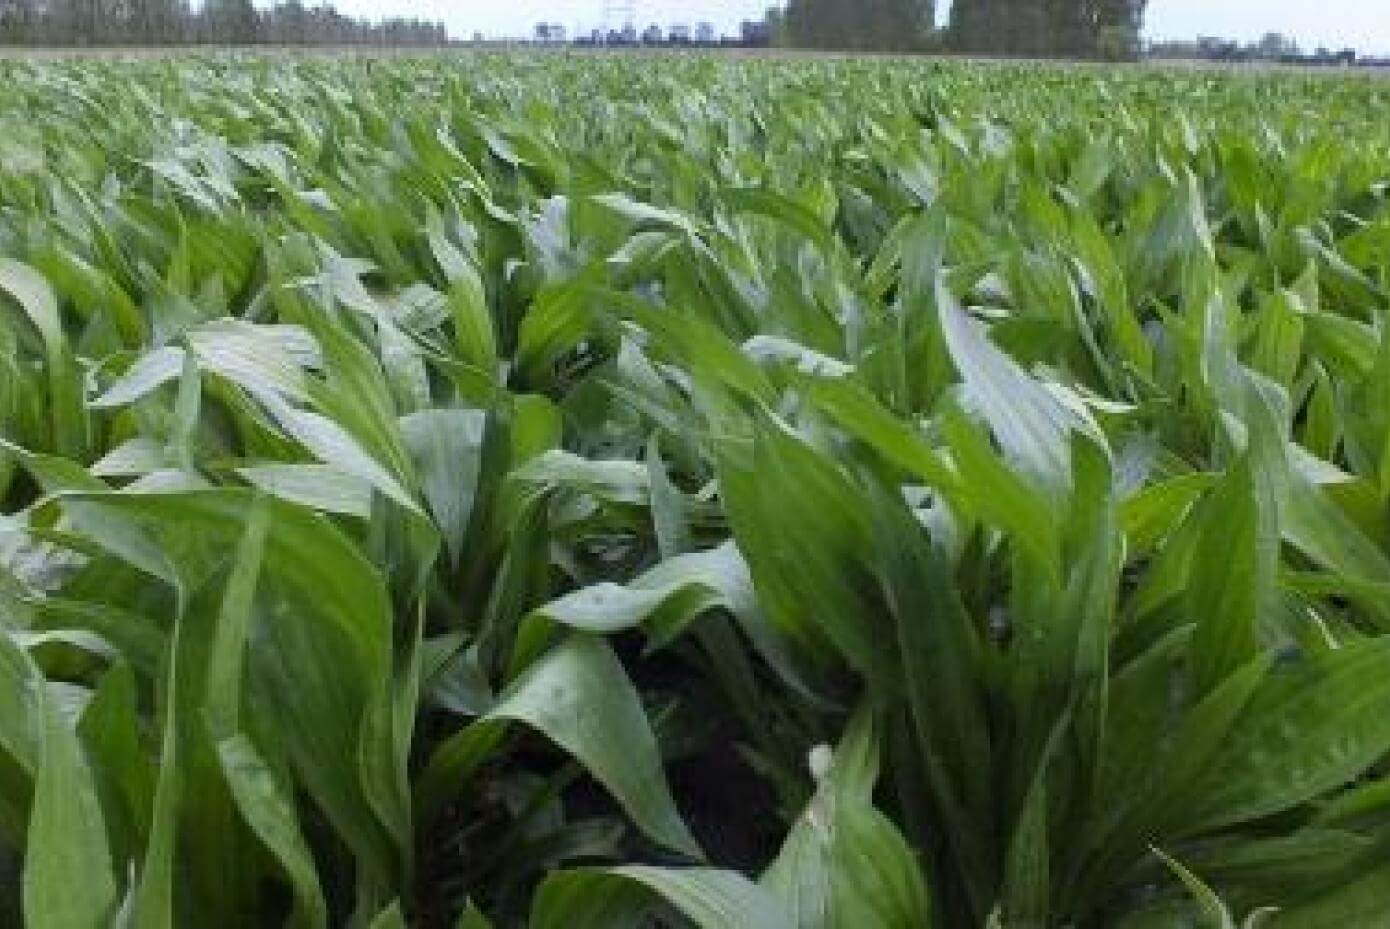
<point>323,487</point>
<point>150,371</point>
<point>66,411</point>
<point>389,918</point>
<point>111,733</point>
<point>1240,539</point>
<point>940,655</point>
<point>1155,511</point>
<point>579,696</point>
<point>227,656</point>
<point>472,918</point>
<point>333,445</point>
<point>856,411</point>
<point>1362,901</point>
<point>1033,424</point>
<point>781,209</point>
<point>68,878</point>
<point>447,448</point>
<point>845,863</point>
<point>623,898</point>
<point>1001,496</point>
<point>803,527</point>
<point>21,706</point>
<point>267,807</point>
<point>664,599</point>
<point>259,358</point>
<point>475,338</point>
<point>1027,890</point>
<point>1309,728</point>
<point>1213,912</point>
<point>154,894</point>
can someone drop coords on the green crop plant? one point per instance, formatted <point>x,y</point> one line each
<point>601,491</point>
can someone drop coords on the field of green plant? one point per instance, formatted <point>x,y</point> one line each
<point>574,492</point>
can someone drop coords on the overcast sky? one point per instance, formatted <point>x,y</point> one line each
<point>1363,24</point>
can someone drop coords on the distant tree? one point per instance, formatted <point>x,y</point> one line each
<point>1275,45</point>
<point>775,26</point>
<point>1121,25</point>
<point>60,25</point>
<point>1048,28</point>
<point>1002,27</point>
<point>865,25</point>
<point>289,23</point>
<point>13,20</point>
<point>904,24</point>
<point>231,22</point>
<point>117,17</point>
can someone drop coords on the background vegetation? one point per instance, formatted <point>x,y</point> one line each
<point>213,22</point>
<point>1105,29</point>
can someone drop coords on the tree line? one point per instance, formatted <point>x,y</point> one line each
<point>219,22</point>
<point>1033,28</point>
<point>1106,29</point>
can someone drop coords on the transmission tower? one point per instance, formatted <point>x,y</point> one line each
<point>619,14</point>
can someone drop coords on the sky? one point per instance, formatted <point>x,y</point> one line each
<point>1361,24</point>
